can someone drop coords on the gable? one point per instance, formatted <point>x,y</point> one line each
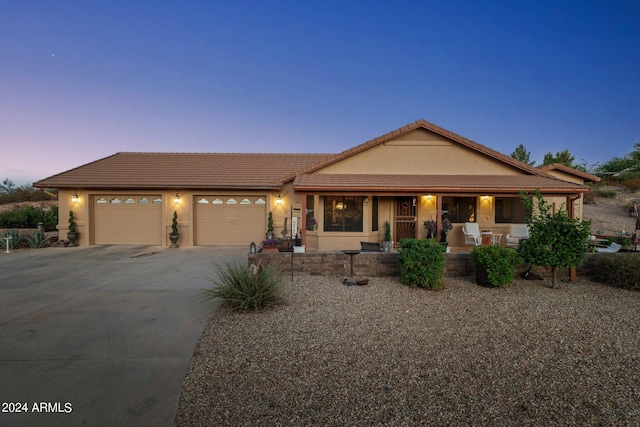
<point>420,152</point>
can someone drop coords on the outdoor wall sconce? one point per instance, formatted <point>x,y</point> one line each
<point>74,198</point>
<point>414,201</point>
<point>252,248</point>
<point>176,199</point>
<point>279,200</point>
<point>486,199</point>
<point>366,200</point>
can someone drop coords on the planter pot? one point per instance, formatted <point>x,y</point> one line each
<point>72,237</point>
<point>387,246</point>
<point>173,237</point>
<point>267,249</point>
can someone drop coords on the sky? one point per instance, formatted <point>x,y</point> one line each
<point>82,80</point>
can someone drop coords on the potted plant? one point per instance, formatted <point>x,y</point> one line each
<point>270,226</point>
<point>72,235</point>
<point>269,245</point>
<point>175,234</point>
<point>431,226</point>
<point>387,237</point>
<point>494,265</point>
<point>312,224</point>
<point>446,227</point>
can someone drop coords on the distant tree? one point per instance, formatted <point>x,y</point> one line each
<point>7,186</point>
<point>555,240</point>
<point>562,157</point>
<point>523,155</point>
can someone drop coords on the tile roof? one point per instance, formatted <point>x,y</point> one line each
<point>183,170</point>
<point>409,128</point>
<point>433,183</point>
<point>572,171</point>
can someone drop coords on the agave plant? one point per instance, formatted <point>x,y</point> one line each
<point>15,239</point>
<point>38,240</point>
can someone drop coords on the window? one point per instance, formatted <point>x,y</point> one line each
<point>459,209</point>
<point>510,210</point>
<point>232,202</point>
<point>312,223</point>
<point>143,200</point>
<point>115,200</point>
<point>343,213</point>
<point>129,200</point>
<point>374,213</point>
<point>245,202</point>
<point>260,201</point>
<point>203,201</point>
<point>157,200</point>
<point>101,200</point>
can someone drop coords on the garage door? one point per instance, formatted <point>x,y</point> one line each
<point>128,219</point>
<point>229,220</point>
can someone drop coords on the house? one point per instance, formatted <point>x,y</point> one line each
<point>333,201</point>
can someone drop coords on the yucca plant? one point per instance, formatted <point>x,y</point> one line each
<point>38,240</point>
<point>243,287</point>
<point>15,241</point>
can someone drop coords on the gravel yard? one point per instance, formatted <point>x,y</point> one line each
<point>386,354</point>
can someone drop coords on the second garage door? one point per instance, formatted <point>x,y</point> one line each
<point>229,220</point>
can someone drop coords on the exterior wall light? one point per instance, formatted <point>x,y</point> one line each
<point>176,199</point>
<point>366,200</point>
<point>74,198</point>
<point>279,200</point>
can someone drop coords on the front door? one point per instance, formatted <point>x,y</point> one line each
<point>405,218</point>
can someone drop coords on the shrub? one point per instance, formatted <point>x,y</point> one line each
<point>620,270</point>
<point>421,263</point>
<point>29,217</point>
<point>607,194</point>
<point>241,287</point>
<point>15,242</point>
<point>633,184</point>
<point>38,240</point>
<point>498,262</point>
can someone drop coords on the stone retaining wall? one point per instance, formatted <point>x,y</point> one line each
<point>367,264</point>
<point>373,264</point>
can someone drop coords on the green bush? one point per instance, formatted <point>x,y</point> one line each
<point>15,242</point>
<point>29,217</point>
<point>607,194</point>
<point>421,263</point>
<point>38,240</point>
<point>498,262</point>
<point>620,270</point>
<point>241,287</point>
<point>633,184</point>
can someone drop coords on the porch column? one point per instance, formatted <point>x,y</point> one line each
<point>303,219</point>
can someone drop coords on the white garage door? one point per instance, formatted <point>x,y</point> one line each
<point>229,220</point>
<point>127,219</point>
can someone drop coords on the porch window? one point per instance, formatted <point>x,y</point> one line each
<point>459,209</point>
<point>374,213</point>
<point>343,213</point>
<point>510,210</point>
<point>311,213</point>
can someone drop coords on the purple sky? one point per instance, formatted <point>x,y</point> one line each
<point>81,80</point>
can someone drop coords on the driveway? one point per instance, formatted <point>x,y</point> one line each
<point>100,335</point>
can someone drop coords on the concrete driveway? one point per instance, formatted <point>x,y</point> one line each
<point>100,335</point>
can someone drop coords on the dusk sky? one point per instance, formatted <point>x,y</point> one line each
<point>81,80</point>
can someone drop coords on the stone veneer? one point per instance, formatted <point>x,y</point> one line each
<point>368,264</point>
<point>373,264</point>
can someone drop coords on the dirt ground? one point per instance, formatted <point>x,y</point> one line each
<point>611,216</point>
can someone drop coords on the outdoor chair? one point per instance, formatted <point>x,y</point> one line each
<point>612,248</point>
<point>471,231</point>
<point>518,232</point>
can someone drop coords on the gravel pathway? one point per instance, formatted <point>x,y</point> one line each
<point>386,354</point>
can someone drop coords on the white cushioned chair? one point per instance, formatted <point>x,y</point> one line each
<point>611,249</point>
<point>518,232</point>
<point>471,231</point>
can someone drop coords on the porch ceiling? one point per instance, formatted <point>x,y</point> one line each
<point>434,183</point>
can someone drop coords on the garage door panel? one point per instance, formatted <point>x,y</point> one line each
<point>127,220</point>
<point>229,220</point>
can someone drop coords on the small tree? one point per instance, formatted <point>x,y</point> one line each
<point>555,240</point>
<point>523,155</point>
<point>174,223</point>
<point>422,263</point>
